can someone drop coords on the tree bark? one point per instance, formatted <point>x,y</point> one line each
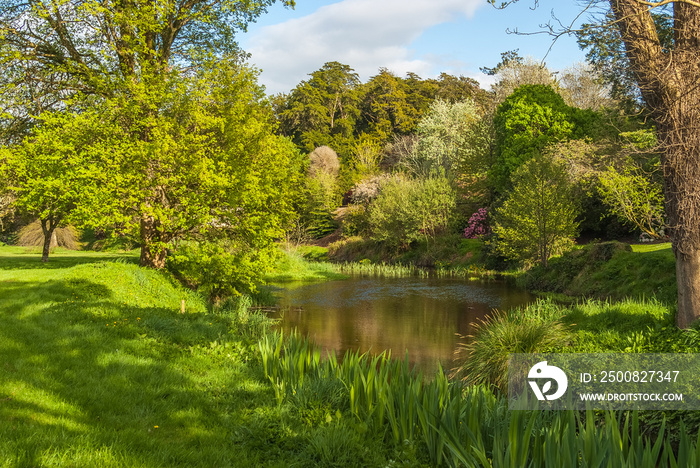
<point>688,280</point>
<point>152,251</point>
<point>48,227</point>
<point>679,133</point>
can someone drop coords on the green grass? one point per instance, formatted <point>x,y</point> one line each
<point>99,368</point>
<point>651,247</point>
<point>609,270</point>
<point>292,266</point>
<point>29,258</point>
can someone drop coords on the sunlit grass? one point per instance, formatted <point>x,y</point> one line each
<point>98,367</point>
<point>650,247</point>
<point>292,266</point>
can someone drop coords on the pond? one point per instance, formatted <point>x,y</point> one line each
<point>421,315</point>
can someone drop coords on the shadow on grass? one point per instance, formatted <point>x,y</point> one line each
<point>88,381</point>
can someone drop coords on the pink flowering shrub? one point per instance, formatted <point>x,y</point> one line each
<point>478,225</point>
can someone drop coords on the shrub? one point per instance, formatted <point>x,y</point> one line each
<point>534,329</point>
<point>478,225</point>
<point>408,210</point>
<point>322,200</point>
<point>368,189</point>
<point>220,269</point>
<point>249,323</point>
<point>355,221</point>
<point>324,159</point>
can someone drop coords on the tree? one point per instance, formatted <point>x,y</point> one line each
<point>57,170</point>
<point>322,110</point>
<point>529,120</point>
<point>455,89</point>
<point>667,79</point>
<point>538,217</point>
<point>606,54</point>
<point>408,210</point>
<point>450,137</point>
<point>514,71</point>
<point>211,167</point>
<point>124,52</point>
<point>324,159</point>
<point>584,88</point>
<point>386,110</point>
<point>634,198</point>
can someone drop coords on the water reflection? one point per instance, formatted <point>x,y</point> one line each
<point>415,314</point>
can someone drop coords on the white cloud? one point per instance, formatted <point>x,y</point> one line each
<point>365,34</point>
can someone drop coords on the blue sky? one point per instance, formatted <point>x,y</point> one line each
<point>426,37</point>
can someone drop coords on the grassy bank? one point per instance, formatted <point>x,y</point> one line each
<point>447,251</point>
<point>303,264</point>
<point>609,270</point>
<point>100,368</point>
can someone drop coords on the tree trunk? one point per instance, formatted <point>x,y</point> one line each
<point>48,227</point>
<point>679,132</point>
<point>688,280</point>
<point>153,252</point>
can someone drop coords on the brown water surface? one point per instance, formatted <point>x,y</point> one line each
<point>421,315</point>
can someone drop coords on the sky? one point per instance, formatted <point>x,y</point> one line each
<point>426,37</point>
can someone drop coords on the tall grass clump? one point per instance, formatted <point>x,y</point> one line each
<point>247,322</point>
<point>381,270</point>
<point>447,424</point>
<point>484,354</point>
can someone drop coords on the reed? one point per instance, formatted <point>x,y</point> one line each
<point>469,426</point>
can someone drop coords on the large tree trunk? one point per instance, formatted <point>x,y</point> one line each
<point>669,81</point>
<point>153,252</point>
<point>688,280</point>
<point>678,126</point>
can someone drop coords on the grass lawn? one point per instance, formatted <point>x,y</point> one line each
<point>99,368</point>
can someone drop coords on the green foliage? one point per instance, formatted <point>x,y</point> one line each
<point>529,120</point>
<point>355,221</point>
<point>634,198</point>
<point>560,272</point>
<point>626,326</point>
<point>322,199</point>
<point>221,269</point>
<point>59,172</point>
<point>385,99</point>
<point>484,355</point>
<point>159,97</point>
<point>322,110</point>
<point>537,219</point>
<point>210,166</point>
<point>410,209</point>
